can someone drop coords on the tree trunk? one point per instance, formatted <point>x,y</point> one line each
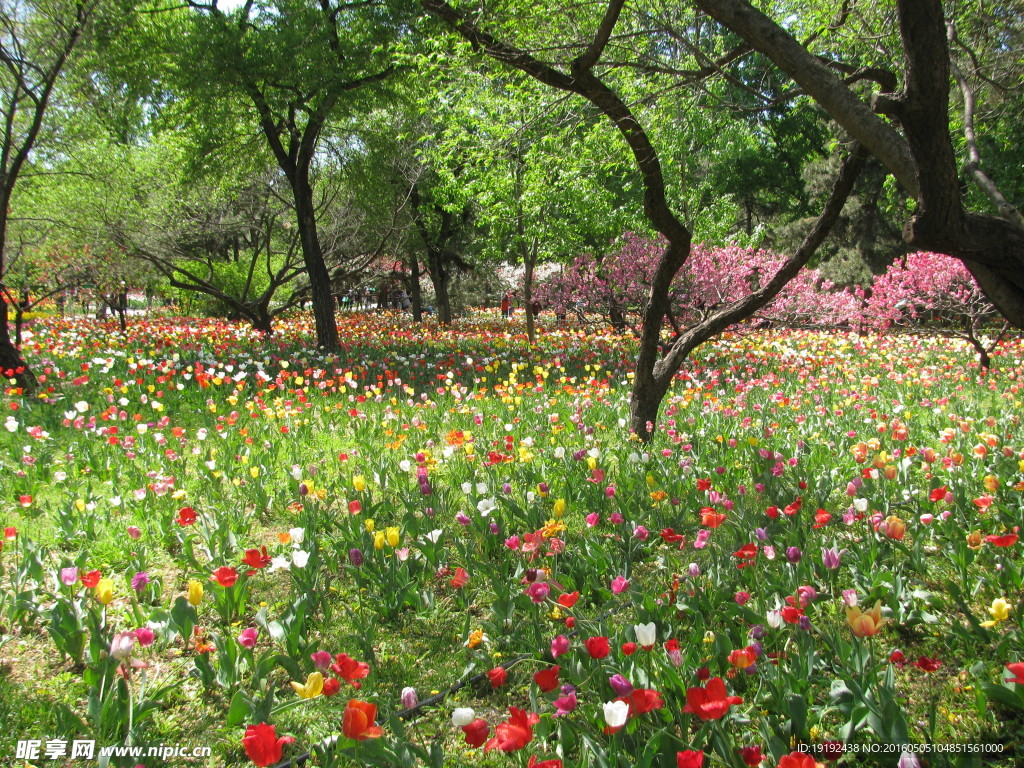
<point>263,321</point>
<point>11,364</point>
<point>313,256</point>
<point>530,259</point>
<point>122,310</point>
<point>439,279</point>
<point>644,404</point>
<point>415,292</point>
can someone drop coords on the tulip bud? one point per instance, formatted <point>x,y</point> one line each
<point>409,698</point>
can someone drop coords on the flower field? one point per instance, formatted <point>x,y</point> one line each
<point>215,541</point>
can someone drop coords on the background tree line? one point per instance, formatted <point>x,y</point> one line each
<point>268,154</point>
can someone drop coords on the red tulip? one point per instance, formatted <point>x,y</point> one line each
<point>1016,668</point>
<point>226,576</point>
<point>547,679</point>
<point>349,669</point>
<point>797,760</point>
<point>535,763</point>
<point>568,599</point>
<point>691,758</point>
<point>515,733</point>
<point>256,558</point>
<point>1006,540</point>
<point>186,516</point>
<point>262,745</point>
<point>597,647</point>
<point>476,732</point>
<point>460,579</point>
<point>643,700</point>
<point>709,702</point>
<point>497,676</point>
<point>752,756</point>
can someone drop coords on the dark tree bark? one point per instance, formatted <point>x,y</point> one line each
<point>23,107</point>
<point>439,242</point>
<point>413,286</point>
<point>529,262</point>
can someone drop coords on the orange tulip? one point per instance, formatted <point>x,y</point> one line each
<point>357,722</point>
<point>865,623</point>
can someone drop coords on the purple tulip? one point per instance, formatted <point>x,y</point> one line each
<point>620,685</point>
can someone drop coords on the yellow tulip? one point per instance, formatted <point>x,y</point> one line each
<point>392,535</point>
<point>378,540</point>
<point>1000,610</point>
<point>559,508</point>
<point>991,483</point>
<point>359,483</point>
<point>314,686</point>
<point>195,592</point>
<point>368,524</point>
<point>105,591</point>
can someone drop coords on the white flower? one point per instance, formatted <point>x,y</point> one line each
<point>296,472</point>
<point>615,713</point>
<point>559,452</point>
<point>300,557</point>
<point>485,506</point>
<point>81,406</point>
<point>434,535</point>
<point>404,465</point>
<point>646,634</point>
<point>775,620</point>
<point>11,424</point>
<point>298,535</point>
<point>463,716</point>
<point>467,488</point>
<point>481,487</point>
<point>278,563</point>
<point>861,505</point>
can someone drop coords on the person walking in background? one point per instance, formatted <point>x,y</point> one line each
<point>506,306</point>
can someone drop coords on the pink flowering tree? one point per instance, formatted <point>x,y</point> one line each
<point>712,277</point>
<point>935,292</point>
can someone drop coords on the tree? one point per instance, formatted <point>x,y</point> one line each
<point>712,277</point>
<point>657,364</point>
<point>920,155</point>
<point>36,41</point>
<point>934,292</point>
<point>296,64</point>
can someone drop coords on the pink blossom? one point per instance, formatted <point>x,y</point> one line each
<point>537,591</point>
<point>559,646</point>
<point>247,637</point>
<point>145,636</point>
<point>619,585</point>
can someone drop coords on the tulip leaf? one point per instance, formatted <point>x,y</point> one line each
<point>238,711</point>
